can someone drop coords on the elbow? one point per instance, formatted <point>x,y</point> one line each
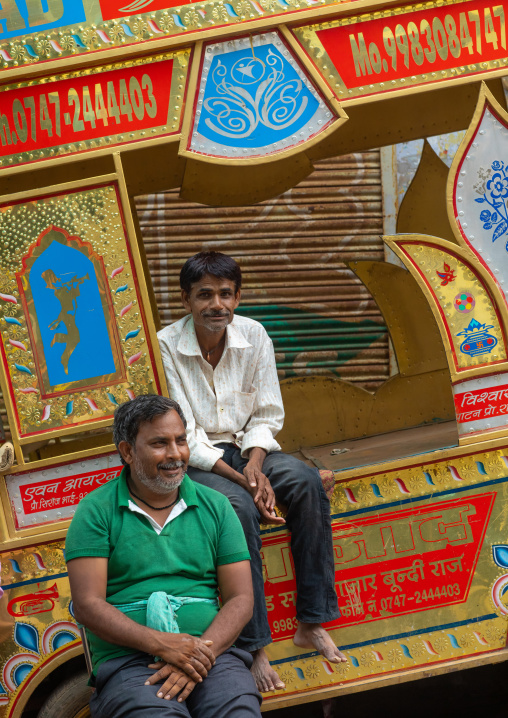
<point>81,611</point>
<point>248,605</point>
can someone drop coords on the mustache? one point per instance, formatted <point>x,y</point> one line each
<point>225,313</point>
<point>172,465</point>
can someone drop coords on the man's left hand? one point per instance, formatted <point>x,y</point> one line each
<point>260,487</point>
<point>260,482</point>
<point>178,683</point>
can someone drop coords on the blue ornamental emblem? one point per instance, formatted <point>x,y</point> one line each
<point>478,340</point>
<point>254,100</point>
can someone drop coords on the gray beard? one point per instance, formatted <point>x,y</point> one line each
<point>158,484</point>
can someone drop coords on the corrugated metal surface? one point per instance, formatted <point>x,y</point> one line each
<point>292,251</point>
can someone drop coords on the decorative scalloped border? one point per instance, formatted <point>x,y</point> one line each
<point>81,39</point>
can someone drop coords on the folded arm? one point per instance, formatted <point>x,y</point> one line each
<point>235,586</point>
<point>88,579</point>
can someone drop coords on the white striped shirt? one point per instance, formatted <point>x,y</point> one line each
<point>239,401</point>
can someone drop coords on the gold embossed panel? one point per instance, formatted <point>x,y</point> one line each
<point>75,342</point>
<point>421,564</point>
<point>470,321</point>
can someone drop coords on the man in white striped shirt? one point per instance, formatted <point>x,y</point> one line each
<point>221,369</point>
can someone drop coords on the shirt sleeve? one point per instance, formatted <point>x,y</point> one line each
<point>88,534</point>
<point>203,456</point>
<point>267,418</point>
<point>232,544</point>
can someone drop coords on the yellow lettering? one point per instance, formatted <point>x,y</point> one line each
<point>10,14</point>
<point>448,527</point>
<point>37,16</point>
<point>277,564</point>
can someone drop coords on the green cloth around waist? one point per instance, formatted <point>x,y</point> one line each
<point>161,609</point>
<point>158,612</point>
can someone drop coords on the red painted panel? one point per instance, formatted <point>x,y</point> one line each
<point>417,42</point>
<point>112,9</point>
<point>85,108</point>
<point>388,564</point>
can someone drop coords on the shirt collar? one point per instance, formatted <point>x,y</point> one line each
<point>188,342</point>
<point>187,490</point>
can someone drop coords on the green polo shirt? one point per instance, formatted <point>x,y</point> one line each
<point>182,560</point>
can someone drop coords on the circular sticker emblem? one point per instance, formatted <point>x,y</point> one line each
<point>464,302</point>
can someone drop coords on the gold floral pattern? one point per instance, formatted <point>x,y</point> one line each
<point>367,660</point>
<point>18,53</point>
<point>220,14</point>
<point>287,677</point>
<point>17,332</point>
<point>53,559</point>
<point>32,414</point>
<point>493,465</point>
<point>116,32</point>
<point>140,28</point>
<point>312,670</point>
<point>417,650</point>
<point>466,640</point>
<point>243,8</point>
<point>191,18</point>
<point>10,310</point>
<point>343,669</point>
<point>468,470</point>
<point>166,23</point>
<point>365,493</point>
<point>90,37</point>
<point>494,634</point>
<point>416,483</point>
<point>388,487</point>
<point>43,48</point>
<point>440,643</point>
<point>28,564</point>
<point>338,501</point>
<point>441,474</point>
<point>394,655</point>
<point>67,42</point>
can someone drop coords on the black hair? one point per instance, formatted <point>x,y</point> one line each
<point>129,416</point>
<point>210,262</point>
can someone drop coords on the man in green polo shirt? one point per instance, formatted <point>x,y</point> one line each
<point>147,554</point>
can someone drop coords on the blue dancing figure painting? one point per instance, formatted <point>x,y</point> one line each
<point>69,313</point>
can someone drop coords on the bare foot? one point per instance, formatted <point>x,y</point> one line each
<point>264,675</point>
<point>313,635</point>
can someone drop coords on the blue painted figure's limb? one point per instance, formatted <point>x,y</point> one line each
<point>67,296</point>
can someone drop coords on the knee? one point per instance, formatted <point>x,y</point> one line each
<point>307,488</point>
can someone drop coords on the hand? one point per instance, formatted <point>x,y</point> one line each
<point>178,682</point>
<point>259,486</point>
<point>192,655</point>
<point>261,491</point>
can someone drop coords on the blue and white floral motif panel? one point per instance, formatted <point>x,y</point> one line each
<point>481,196</point>
<point>254,99</point>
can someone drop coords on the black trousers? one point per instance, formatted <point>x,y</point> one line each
<point>229,690</point>
<point>299,488</point>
